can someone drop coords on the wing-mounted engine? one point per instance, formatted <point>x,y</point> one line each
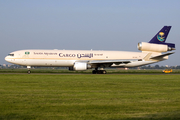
<point>143,46</point>
<point>79,66</point>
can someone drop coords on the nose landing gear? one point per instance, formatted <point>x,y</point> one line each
<point>29,72</point>
<point>28,67</point>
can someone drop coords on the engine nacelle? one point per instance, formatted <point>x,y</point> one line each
<point>80,66</point>
<point>143,46</point>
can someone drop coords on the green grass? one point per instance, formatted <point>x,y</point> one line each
<point>89,97</point>
<point>109,71</point>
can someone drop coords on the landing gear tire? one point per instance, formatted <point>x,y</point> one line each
<point>29,72</point>
<point>103,71</point>
<point>94,72</point>
<point>99,72</point>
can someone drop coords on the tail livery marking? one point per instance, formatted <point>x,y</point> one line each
<point>161,37</point>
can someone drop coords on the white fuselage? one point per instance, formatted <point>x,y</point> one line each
<point>67,58</point>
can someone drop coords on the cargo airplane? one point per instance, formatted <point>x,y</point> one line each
<point>153,51</point>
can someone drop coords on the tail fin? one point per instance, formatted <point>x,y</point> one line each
<point>161,36</point>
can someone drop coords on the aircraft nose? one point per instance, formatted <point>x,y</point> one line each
<point>6,58</point>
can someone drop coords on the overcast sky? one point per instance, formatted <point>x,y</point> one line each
<point>86,24</point>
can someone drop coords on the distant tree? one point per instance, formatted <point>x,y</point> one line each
<point>177,67</point>
<point>157,67</point>
<point>149,67</point>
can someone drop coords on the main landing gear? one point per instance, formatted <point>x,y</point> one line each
<point>28,67</point>
<point>96,71</point>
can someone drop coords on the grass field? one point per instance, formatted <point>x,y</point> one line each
<point>89,97</point>
<point>109,71</point>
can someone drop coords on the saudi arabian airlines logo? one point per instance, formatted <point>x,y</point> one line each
<point>161,37</point>
<point>27,53</point>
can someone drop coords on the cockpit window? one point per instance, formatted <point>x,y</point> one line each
<point>10,54</point>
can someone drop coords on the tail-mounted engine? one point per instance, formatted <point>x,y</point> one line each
<point>143,46</point>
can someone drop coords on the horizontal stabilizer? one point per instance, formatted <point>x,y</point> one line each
<point>161,56</point>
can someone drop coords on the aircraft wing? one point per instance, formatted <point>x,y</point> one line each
<point>109,63</point>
